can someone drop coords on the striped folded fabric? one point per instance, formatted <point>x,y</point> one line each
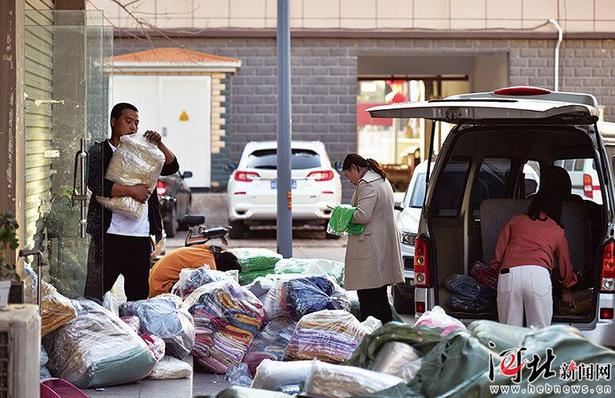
<point>226,318</point>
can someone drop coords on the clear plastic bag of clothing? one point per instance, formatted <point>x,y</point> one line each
<point>255,259</point>
<point>341,221</point>
<point>438,318</point>
<point>275,375</point>
<point>239,375</point>
<point>97,349</point>
<point>338,381</point>
<point>329,335</point>
<point>301,296</point>
<point>137,160</point>
<point>190,279</point>
<point>227,317</point>
<point>56,310</point>
<point>164,316</point>
<point>169,368</point>
<point>311,266</point>
<point>270,342</point>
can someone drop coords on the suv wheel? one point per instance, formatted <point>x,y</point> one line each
<point>170,225</point>
<point>402,301</point>
<point>238,231</point>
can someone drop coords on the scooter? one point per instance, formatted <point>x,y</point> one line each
<point>198,233</point>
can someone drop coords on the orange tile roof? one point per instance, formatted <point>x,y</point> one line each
<point>172,56</point>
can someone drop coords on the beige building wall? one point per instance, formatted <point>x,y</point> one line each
<point>574,15</point>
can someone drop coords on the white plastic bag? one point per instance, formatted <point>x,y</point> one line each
<point>137,160</point>
<point>273,375</point>
<point>397,359</point>
<point>171,368</point>
<point>438,318</point>
<point>311,266</point>
<point>335,381</point>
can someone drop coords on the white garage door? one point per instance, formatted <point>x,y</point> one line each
<point>179,108</point>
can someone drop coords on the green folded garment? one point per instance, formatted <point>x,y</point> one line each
<point>341,221</point>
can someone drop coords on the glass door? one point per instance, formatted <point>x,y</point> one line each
<point>65,111</point>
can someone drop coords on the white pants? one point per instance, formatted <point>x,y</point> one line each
<point>525,287</point>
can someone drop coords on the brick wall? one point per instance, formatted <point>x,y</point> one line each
<point>324,79</point>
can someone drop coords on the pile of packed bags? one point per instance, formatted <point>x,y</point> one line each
<point>255,263</point>
<point>226,317</point>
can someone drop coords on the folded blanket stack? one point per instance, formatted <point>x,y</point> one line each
<point>227,317</point>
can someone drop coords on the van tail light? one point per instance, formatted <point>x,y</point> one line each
<point>588,186</point>
<point>606,313</point>
<point>161,188</point>
<point>245,176</point>
<point>607,279</point>
<point>419,307</point>
<point>422,277</point>
<point>321,175</point>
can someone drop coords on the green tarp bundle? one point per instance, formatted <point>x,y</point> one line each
<point>341,221</point>
<point>459,366</point>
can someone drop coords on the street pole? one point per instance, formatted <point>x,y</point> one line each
<point>284,188</point>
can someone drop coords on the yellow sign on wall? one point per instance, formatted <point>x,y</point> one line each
<point>183,117</point>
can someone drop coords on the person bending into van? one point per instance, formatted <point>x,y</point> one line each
<point>165,273</point>
<point>529,247</point>
<point>373,258</point>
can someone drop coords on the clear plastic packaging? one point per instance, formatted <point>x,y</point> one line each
<point>226,316</point>
<point>134,322</point>
<point>301,296</point>
<point>190,279</point>
<point>371,324</point>
<point>337,381</point>
<point>438,318</point>
<point>304,266</point>
<point>137,160</point>
<point>111,302</point>
<point>165,317</point>
<point>330,336</point>
<point>341,221</point>
<point>56,310</point>
<point>270,343</point>
<point>97,349</point>
<point>254,259</point>
<point>171,368</point>
<point>155,344</point>
<point>393,358</point>
<point>239,375</point>
<point>273,375</point>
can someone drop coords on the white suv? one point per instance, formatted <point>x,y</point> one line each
<point>252,193</point>
<point>584,178</point>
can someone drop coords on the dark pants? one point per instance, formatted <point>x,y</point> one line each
<point>375,302</point>
<point>125,255</point>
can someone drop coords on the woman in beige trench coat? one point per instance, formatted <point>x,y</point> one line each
<point>373,258</point>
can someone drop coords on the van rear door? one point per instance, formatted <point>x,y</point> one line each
<point>488,111</point>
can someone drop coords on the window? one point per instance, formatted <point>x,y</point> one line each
<point>418,192</point>
<point>267,159</point>
<point>531,173</point>
<point>450,189</point>
<point>569,164</point>
<point>492,182</point>
<point>578,165</point>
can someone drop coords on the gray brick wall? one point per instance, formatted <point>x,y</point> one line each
<point>324,79</point>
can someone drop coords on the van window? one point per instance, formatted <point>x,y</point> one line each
<point>531,171</point>
<point>418,192</point>
<point>267,159</point>
<point>492,183</point>
<point>583,178</point>
<point>449,192</point>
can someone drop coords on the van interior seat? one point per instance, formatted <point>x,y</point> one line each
<point>495,213</point>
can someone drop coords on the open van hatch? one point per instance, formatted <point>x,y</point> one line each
<point>491,110</point>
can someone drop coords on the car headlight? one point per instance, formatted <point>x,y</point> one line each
<point>408,238</point>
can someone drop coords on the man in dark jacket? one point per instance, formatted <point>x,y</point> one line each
<point>120,244</point>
